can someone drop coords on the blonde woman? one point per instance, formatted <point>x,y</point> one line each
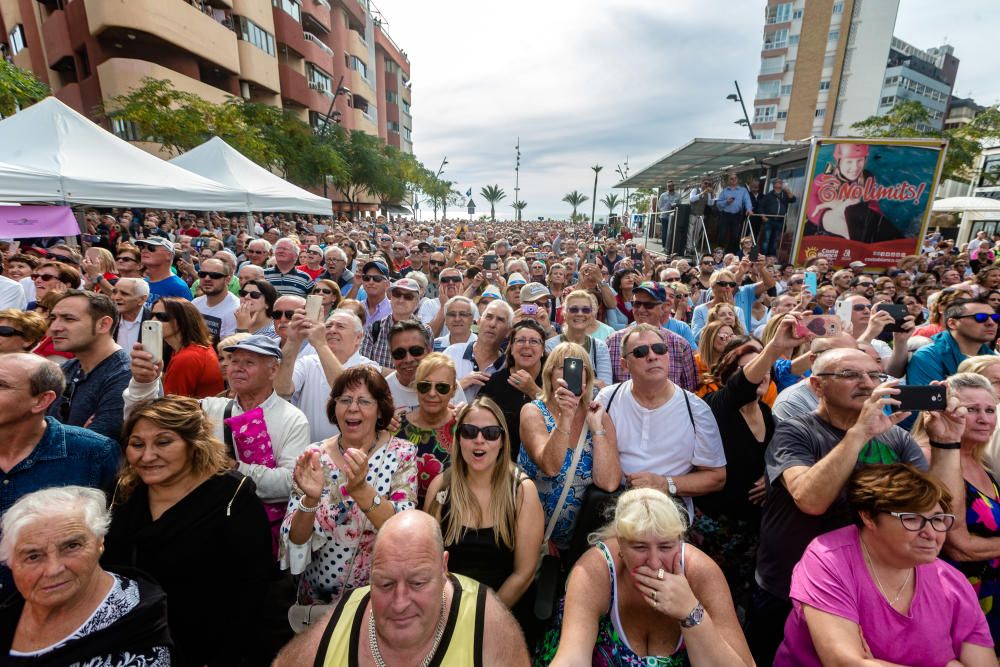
<point>726,313</point>
<point>714,338</point>
<point>988,366</point>
<point>429,426</point>
<point>723,286</point>
<point>581,327</point>
<point>642,596</point>
<point>490,515</point>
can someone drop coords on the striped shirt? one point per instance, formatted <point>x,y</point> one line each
<point>293,283</point>
<point>683,370</point>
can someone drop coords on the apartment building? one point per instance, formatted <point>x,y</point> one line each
<point>286,53</point>
<point>914,74</point>
<point>961,112</point>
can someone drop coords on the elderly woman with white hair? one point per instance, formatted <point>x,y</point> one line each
<point>67,609</point>
<point>643,596</point>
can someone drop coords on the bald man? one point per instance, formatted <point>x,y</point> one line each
<point>411,600</point>
<point>799,398</point>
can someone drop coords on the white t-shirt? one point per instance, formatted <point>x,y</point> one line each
<point>402,397</point>
<point>221,318</point>
<point>12,294</point>
<point>312,392</point>
<point>663,441</point>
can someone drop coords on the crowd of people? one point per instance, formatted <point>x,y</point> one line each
<point>382,442</point>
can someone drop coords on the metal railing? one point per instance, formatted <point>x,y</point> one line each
<point>317,41</point>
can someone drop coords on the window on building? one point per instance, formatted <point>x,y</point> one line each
<point>392,126</point>
<point>772,65</point>
<point>819,113</point>
<point>358,65</point>
<point>778,13</point>
<point>824,85</point>
<point>776,39</point>
<point>250,32</point>
<point>838,8</point>
<point>786,90</point>
<point>125,129</point>
<point>84,59</point>
<point>291,7</point>
<point>318,79</point>
<point>16,40</point>
<point>764,114</point>
<point>782,115</point>
<point>828,59</point>
<point>406,107</point>
<point>392,97</point>
<point>793,40</point>
<point>406,133</point>
<point>768,89</point>
<point>390,66</point>
<point>833,35</point>
<point>887,101</point>
<point>797,14</point>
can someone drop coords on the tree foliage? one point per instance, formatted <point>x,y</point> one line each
<point>965,143</point>
<point>493,194</point>
<point>575,199</point>
<point>519,207</point>
<point>19,88</point>
<point>611,201</point>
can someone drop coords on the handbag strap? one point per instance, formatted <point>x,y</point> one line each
<point>567,483</point>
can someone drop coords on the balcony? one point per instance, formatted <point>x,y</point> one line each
<point>288,31</point>
<point>177,23</point>
<point>55,34</point>
<point>298,90</point>
<point>318,42</point>
<point>118,76</point>
<point>258,67</point>
<point>316,15</point>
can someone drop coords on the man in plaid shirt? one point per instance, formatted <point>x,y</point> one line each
<point>404,296</point>
<point>648,301</point>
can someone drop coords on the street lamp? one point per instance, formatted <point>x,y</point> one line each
<point>738,97</point>
<point>333,117</point>
<point>624,176</point>
<point>441,168</point>
<point>517,175</point>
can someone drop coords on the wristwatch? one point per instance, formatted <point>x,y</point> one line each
<point>671,487</point>
<point>695,618</point>
<point>375,503</point>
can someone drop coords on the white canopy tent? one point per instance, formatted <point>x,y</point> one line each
<point>970,210</point>
<point>217,160</point>
<point>54,154</point>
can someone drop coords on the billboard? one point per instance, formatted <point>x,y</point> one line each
<point>867,200</point>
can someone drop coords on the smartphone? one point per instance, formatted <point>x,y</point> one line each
<point>152,339</point>
<point>573,374</point>
<point>754,253</point>
<point>529,309</point>
<point>489,262</point>
<point>819,325</point>
<point>810,277</point>
<point>186,256</point>
<point>898,312</point>
<point>314,307</point>
<point>921,397</point>
<point>91,238</point>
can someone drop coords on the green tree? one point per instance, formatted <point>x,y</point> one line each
<point>964,143</point>
<point>575,199</point>
<point>493,194</point>
<point>401,173</point>
<point>438,190</point>
<point>365,165</point>
<point>519,207</point>
<point>611,201</point>
<point>19,88</point>
<point>593,206</point>
<point>640,199</point>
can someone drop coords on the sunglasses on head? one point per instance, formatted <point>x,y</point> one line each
<point>8,332</point>
<point>162,317</point>
<point>414,351</point>
<point>287,314</point>
<point>980,318</point>
<point>372,278</point>
<point>579,310</point>
<point>214,275</point>
<point>424,386</point>
<point>252,295</point>
<point>640,351</point>
<point>471,431</point>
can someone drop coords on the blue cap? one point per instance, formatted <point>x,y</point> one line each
<point>378,266</point>
<point>258,344</point>
<point>654,290</point>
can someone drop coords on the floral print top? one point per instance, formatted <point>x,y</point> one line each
<point>433,451</point>
<point>338,555</point>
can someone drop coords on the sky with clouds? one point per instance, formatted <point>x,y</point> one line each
<point>586,82</point>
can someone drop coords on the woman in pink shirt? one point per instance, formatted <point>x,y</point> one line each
<point>876,594</point>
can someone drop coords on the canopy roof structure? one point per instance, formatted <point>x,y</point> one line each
<point>54,154</point>
<point>705,157</point>
<point>966,204</point>
<point>218,161</point>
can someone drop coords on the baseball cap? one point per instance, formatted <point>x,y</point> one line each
<point>654,290</point>
<point>515,279</point>
<point>378,266</point>
<point>534,291</point>
<point>258,344</point>
<point>157,241</point>
<point>491,292</point>
<point>856,265</point>
<point>408,284</point>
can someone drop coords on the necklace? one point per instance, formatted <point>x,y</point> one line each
<point>370,447</point>
<point>373,639</point>
<point>909,574</point>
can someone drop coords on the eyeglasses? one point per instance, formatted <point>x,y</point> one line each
<point>415,351</point>
<point>707,261</point>
<point>162,317</point>
<point>44,277</point>
<point>858,307</point>
<point>214,275</point>
<point>434,262</point>
<point>980,318</point>
<point>725,283</point>
<point>855,376</point>
<point>471,431</point>
<point>640,305</point>
<point>914,522</point>
<point>123,258</point>
<point>528,341</point>
<point>406,296</point>
<point>371,278</point>
<point>795,282</point>
<point>9,332</point>
<point>252,295</point>
<point>322,290</point>
<point>286,314</point>
<point>579,310</point>
<point>345,402</point>
<point>450,279</point>
<point>424,386</point>
<point>462,314</point>
<point>641,351</point>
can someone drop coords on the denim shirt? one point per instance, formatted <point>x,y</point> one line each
<point>65,455</point>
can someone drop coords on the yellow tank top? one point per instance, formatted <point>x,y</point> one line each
<point>461,643</point>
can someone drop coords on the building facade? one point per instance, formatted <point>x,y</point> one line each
<point>912,74</point>
<point>961,112</point>
<point>286,53</point>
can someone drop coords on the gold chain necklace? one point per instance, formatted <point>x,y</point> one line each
<point>373,639</point>
<point>868,557</point>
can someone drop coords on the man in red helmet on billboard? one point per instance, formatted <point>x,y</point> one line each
<point>837,205</point>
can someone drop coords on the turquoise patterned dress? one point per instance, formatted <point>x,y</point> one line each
<point>611,648</point>
<point>550,488</point>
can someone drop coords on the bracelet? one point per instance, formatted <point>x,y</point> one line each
<point>601,432</point>
<point>308,510</point>
<point>556,427</point>
<point>946,445</point>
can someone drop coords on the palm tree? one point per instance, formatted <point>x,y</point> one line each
<point>518,207</point>
<point>593,207</point>
<point>493,194</point>
<point>611,201</point>
<point>574,199</point>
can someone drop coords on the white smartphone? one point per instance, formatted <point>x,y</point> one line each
<point>314,307</point>
<point>152,339</point>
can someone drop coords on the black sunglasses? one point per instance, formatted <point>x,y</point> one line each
<point>123,258</point>
<point>424,386</point>
<point>214,275</point>
<point>287,314</point>
<point>252,295</point>
<point>451,279</point>
<point>640,305</point>
<point>162,317</point>
<point>980,318</point>
<point>370,278</point>
<point>322,290</point>
<point>415,351</point>
<point>434,262</point>
<point>641,351</point>
<point>9,332</point>
<point>470,431</point>
<point>725,283</point>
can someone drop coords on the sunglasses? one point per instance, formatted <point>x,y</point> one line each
<point>858,307</point>
<point>415,351</point>
<point>451,279</point>
<point>252,295</point>
<point>980,318</point>
<point>214,275</point>
<point>44,277</point>
<point>406,296</point>
<point>126,259</point>
<point>162,317</point>
<point>287,314</point>
<point>641,351</point>
<point>424,386</point>
<point>322,290</point>
<point>434,262</point>
<point>580,310</point>
<point>725,283</point>
<point>640,305</point>
<point>369,278</point>
<point>471,431</point>
<point>9,332</point>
